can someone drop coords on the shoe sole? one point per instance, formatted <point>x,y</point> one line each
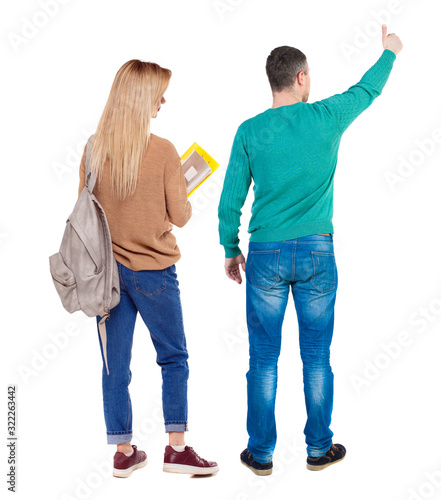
<point>128,472</point>
<point>189,469</point>
<point>321,467</point>
<point>258,472</point>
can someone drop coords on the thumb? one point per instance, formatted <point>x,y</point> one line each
<point>243,266</point>
<point>384,32</point>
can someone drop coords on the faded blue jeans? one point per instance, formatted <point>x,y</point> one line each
<point>156,296</point>
<point>307,266</point>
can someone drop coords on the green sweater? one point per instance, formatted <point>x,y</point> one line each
<point>290,153</point>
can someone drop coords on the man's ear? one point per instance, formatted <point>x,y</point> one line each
<point>301,78</point>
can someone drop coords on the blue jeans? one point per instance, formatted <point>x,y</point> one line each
<point>307,266</point>
<point>156,295</point>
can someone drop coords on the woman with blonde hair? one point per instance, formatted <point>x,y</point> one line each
<point>141,186</point>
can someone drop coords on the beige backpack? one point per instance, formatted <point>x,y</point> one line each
<point>84,271</point>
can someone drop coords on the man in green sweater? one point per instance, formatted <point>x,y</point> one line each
<point>290,152</point>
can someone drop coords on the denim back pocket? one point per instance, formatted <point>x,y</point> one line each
<point>325,271</point>
<point>150,282</point>
<point>262,268</point>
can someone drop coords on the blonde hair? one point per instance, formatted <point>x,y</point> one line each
<point>123,132</point>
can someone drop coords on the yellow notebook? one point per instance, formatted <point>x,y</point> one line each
<point>198,165</point>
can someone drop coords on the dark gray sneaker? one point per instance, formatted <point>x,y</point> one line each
<point>258,468</point>
<point>336,453</point>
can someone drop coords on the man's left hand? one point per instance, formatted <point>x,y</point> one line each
<point>232,267</point>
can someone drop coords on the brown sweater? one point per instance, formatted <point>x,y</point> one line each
<point>140,225</point>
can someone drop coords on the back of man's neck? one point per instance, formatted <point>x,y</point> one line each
<point>284,99</point>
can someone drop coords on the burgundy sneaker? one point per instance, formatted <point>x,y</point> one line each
<point>124,466</point>
<point>187,462</point>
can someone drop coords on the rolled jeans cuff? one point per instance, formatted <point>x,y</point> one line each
<point>119,438</point>
<point>317,453</point>
<point>176,427</point>
<point>259,458</point>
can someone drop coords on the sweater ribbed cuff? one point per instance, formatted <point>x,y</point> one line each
<point>231,252</point>
<point>390,54</point>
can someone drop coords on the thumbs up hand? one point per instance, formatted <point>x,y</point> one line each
<point>391,41</point>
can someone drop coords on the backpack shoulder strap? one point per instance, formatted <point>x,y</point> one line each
<point>108,287</point>
<point>90,177</point>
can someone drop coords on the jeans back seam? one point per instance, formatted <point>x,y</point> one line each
<point>294,254</point>
<point>120,276</point>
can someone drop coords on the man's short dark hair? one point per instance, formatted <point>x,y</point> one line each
<point>283,65</point>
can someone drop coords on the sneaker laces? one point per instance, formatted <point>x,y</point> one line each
<point>194,453</point>
<point>331,449</point>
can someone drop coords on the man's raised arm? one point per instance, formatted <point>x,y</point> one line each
<point>349,105</point>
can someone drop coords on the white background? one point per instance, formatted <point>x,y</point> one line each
<point>387,243</point>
